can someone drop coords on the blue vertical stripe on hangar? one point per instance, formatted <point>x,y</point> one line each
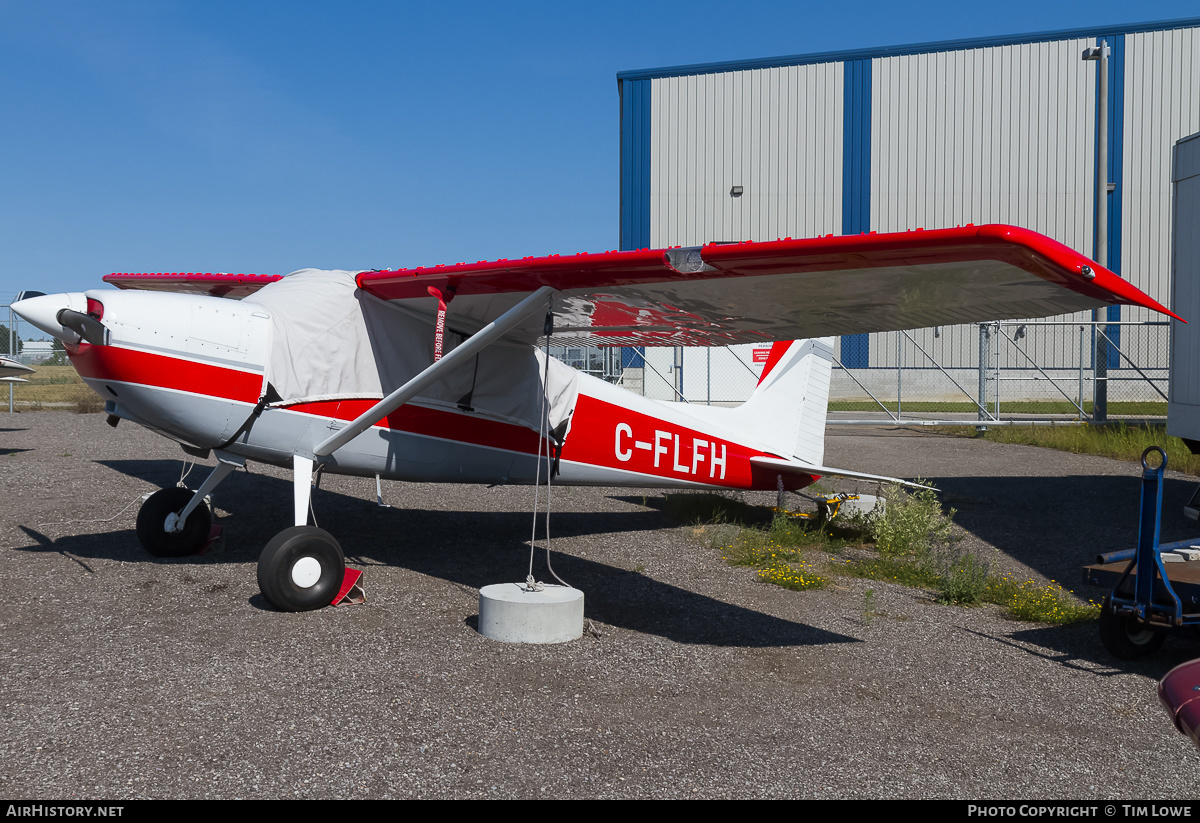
<point>635,163</point>
<point>856,179</point>
<point>635,181</point>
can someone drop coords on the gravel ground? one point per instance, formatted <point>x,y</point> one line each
<point>124,676</point>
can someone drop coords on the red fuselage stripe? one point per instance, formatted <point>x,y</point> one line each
<point>445,425</point>
<point>132,366</point>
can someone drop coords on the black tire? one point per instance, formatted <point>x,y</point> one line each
<point>1125,637</point>
<point>152,524</point>
<point>285,569</point>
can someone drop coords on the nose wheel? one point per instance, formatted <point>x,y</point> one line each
<point>158,538</point>
<point>176,522</point>
<point>301,569</point>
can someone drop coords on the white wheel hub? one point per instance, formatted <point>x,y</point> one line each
<point>306,572</point>
<point>1140,636</point>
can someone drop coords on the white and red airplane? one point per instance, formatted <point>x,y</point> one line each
<point>432,374</point>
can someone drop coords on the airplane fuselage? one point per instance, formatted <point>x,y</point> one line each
<point>193,368</point>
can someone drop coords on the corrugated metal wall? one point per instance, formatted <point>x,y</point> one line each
<point>775,132</point>
<point>995,135</point>
<point>1162,104</point>
<point>991,135</point>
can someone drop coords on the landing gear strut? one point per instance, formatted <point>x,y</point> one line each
<point>302,568</point>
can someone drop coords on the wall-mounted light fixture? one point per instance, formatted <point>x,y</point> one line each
<point>736,191</point>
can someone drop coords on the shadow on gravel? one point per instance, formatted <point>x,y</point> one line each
<point>1078,647</point>
<point>471,548</point>
<point>1059,524</point>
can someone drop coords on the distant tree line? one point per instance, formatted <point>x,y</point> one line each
<point>4,341</point>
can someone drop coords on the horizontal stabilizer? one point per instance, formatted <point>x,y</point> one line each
<point>796,467</point>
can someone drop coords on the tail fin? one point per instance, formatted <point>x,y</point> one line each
<point>787,410</point>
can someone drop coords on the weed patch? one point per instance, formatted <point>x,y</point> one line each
<point>911,524</point>
<point>1048,603</point>
<point>778,550</point>
<point>89,403</point>
<point>962,579</point>
<point>797,577</point>
<point>905,571</point>
<point>914,546</point>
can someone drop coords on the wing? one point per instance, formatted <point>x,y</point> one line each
<point>721,294</point>
<point>235,286</point>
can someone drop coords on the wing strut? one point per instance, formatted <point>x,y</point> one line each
<point>475,343</point>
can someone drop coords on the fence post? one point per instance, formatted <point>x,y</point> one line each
<point>1082,352</point>
<point>984,348</point>
<point>679,371</point>
<point>1100,366</point>
<point>11,353</point>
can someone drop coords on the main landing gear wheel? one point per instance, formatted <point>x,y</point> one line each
<point>152,524</point>
<point>1125,637</point>
<point>301,569</point>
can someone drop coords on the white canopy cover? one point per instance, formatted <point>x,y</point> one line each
<point>332,341</point>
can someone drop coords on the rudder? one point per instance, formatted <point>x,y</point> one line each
<point>788,409</point>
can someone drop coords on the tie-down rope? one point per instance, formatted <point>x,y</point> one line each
<point>543,439</point>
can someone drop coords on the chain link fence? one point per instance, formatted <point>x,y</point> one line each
<point>54,385</point>
<point>997,372</point>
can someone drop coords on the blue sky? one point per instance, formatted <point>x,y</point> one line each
<point>269,136</point>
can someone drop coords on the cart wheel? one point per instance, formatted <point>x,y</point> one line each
<point>1125,637</point>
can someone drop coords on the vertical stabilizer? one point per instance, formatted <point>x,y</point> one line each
<point>787,411</point>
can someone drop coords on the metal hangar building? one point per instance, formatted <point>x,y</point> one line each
<point>930,135</point>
